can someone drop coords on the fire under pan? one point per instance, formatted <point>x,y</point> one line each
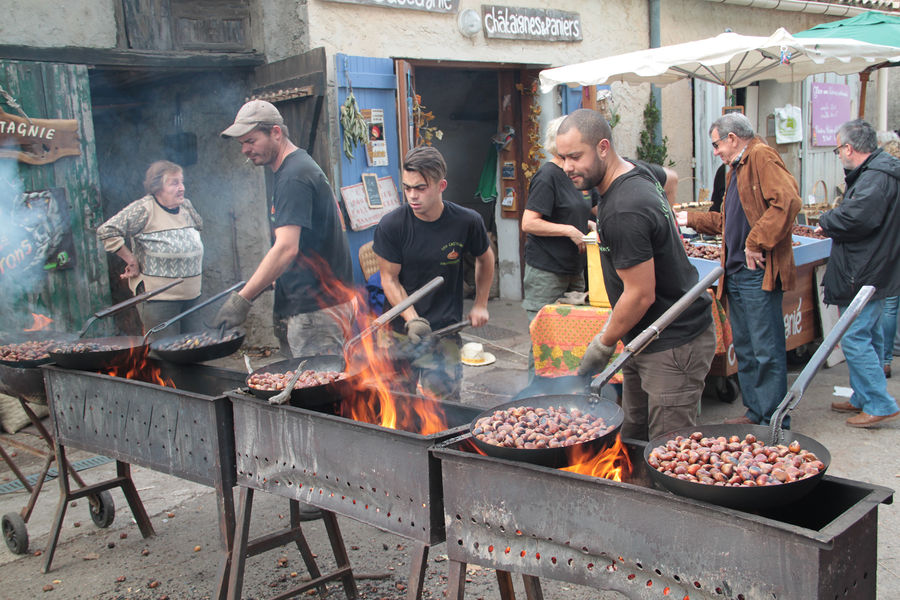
<point>185,431</point>
<point>646,543</point>
<point>379,476</point>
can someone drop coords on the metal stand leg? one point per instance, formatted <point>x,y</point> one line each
<point>66,495</point>
<point>456,583</point>
<point>533,589</point>
<point>417,568</point>
<point>243,548</point>
<point>225,505</point>
<point>504,580</point>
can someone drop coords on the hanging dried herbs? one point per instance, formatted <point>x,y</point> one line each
<point>355,129</point>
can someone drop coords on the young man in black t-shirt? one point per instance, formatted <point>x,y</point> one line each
<point>645,270</point>
<point>422,239</point>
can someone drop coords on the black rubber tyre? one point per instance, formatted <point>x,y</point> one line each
<point>15,533</point>
<point>102,508</point>
<point>727,389</point>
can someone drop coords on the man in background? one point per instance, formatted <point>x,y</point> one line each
<point>865,251</point>
<point>645,271</point>
<point>762,200</point>
<point>420,240</point>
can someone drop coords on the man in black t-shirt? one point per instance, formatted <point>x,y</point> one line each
<point>645,270</point>
<point>554,221</point>
<point>309,252</point>
<point>422,239</point>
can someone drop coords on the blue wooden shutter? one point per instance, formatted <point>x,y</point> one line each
<point>374,86</point>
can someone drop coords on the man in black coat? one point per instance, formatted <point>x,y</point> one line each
<point>865,251</point>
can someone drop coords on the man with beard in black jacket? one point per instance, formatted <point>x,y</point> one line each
<point>865,251</point>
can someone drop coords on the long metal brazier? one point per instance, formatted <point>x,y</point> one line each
<point>647,543</point>
<point>376,475</point>
<point>185,431</point>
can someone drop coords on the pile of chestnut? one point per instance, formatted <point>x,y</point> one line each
<point>732,461</point>
<point>536,428</point>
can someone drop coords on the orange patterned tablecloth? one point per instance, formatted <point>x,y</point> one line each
<point>560,334</point>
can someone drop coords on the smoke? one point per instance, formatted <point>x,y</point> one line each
<point>16,279</point>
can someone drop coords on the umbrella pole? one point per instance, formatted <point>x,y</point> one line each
<point>863,82</point>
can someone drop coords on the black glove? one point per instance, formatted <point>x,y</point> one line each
<point>233,312</point>
<point>417,328</point>
<point>596,357</point>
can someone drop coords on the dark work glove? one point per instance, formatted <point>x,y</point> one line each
<point>596,357</point>
<point>417,328</point>
<point>233,312</point>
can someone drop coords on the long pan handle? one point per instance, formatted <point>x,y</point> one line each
<point>643,339</point>
<point>125,304</point>
<point>815,362</point>
<point>196,307</point>
<point>394,312</point>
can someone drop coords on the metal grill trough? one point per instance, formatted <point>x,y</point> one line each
<point>650,544</point>
<point>379,476</point>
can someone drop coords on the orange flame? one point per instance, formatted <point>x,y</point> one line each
<point>136,366</point>
<point>40,322</point>
<point>612,463</point>
<point>376,376</point>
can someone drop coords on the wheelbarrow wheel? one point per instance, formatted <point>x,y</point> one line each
<point>102,508</point>
<point>15,533</point>
<point>727,389</point>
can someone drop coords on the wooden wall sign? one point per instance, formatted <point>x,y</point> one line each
<point>536,24</point>
<point>435,6</point>
<point>39,141</point>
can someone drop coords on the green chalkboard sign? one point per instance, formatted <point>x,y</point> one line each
<point>373,194</point>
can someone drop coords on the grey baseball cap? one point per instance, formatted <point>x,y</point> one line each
<point>252,115</point>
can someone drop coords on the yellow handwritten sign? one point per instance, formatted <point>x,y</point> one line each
<point>38,141</point>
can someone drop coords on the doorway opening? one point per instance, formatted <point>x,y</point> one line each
<point>465,106</point>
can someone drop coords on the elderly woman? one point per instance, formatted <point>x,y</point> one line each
<point>158,237</point>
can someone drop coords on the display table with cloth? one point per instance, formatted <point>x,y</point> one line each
<point>560,334</point>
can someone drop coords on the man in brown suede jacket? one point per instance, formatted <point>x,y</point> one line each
<point>762,200</point>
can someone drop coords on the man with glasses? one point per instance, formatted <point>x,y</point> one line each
<point>865,251</point>
<point>420,240</point>
<point>762,200</point>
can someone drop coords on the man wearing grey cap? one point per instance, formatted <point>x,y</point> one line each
<point>309,250</point>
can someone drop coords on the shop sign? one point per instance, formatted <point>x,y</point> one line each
<point>538,24</point>
<point>38,141</point>
<point>435,6</point>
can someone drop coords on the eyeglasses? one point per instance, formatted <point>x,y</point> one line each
<point>716,143</point>
<point>837,149</point>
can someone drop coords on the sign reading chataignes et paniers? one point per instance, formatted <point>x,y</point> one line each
<point>435,6</point>
<point>535,24</point>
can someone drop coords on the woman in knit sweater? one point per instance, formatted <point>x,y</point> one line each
<point>158,237</point>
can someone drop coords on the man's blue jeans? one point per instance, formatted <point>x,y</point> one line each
<point>862,345</point>
<point>757,326</point>
<point>889,327</point>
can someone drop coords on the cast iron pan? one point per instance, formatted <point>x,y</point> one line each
<point>28,336</point>
<point>609,411</point>
<point>747,498</point>
<point>772,495</point>
<point>311,396</point>
<point>122,347</point>
<point>200,353</point>
<point>63,338</point>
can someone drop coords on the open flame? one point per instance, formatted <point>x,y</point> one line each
<point>136,366</point>
<point>377,399</point>
<point>612,463</point>
<point>40,322</point>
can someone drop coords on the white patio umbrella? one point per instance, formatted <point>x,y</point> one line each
<point>729,59</point>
